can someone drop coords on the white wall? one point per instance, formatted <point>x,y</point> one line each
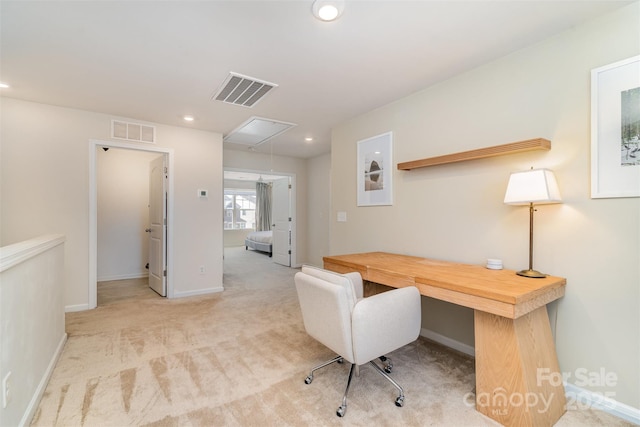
<point>45,189</point>
<point>319,207</point>
<point>32,322</point>
<point>238,159</point>
<point>455,212</point>
<point>234,238</point>
<point>123,213</point>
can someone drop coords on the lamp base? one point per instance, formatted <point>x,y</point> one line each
<point>531,274</point>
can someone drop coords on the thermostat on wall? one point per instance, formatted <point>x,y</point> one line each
<point>203,193</point>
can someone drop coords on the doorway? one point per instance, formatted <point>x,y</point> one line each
<point>244,178</point>
<point>99,148</point>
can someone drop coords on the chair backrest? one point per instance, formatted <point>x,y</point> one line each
<point>353,293</point>
<point>326,300</point>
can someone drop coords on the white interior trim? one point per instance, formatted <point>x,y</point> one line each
<point>207,291</point>
<point>12,255</point>
<point>448,342</point>
<point>32,407</point>
<point>579,398</point>
<point>93,213</point>
<point>122,277</point>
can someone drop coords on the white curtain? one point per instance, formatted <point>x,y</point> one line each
<point>263,206</point>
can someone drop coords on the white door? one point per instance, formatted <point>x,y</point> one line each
<point>281,216</point>
<point>158,226</point>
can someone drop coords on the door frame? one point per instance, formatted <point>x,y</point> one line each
<point>94,145</point>
<point>294,234</point>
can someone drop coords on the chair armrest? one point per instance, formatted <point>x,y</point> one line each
<point>356,279</point>
<point>385,322</point>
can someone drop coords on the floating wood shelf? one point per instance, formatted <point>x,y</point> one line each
<point>481,153</point>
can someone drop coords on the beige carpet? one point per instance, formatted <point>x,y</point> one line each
<point>239,358</point>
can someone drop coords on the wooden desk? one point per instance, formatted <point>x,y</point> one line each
<point>516,363</point>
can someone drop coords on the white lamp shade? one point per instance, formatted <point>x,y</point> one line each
<point>533,186</point>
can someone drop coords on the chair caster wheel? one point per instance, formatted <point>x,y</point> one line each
<point>388,368</point>
<point>341,411</point>
<point>400,401</point>
<point>308,379</point>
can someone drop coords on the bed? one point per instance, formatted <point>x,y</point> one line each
<point>259,241</point>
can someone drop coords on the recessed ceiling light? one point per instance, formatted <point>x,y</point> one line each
<point>327,10</point>
<point>308,139</point>
<point>3,85</point>
<point>188,118</point>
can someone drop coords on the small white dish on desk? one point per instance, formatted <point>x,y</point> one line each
<point>494,264</point>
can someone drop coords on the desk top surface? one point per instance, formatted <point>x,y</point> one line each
<point>475,280</point>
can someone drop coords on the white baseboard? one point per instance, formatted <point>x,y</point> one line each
<point>448,342</point>
<point>77,307</point>
<point>141,275</point>
<point>177,294</point>
<point>39,391</point>
<point>579,398</point>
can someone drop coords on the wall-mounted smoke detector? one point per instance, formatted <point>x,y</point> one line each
<point>242,90</point>
<point>256,131</point>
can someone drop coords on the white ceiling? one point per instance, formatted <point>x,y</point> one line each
<point>159,60</point>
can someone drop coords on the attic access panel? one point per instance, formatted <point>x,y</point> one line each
<point>256,131</point>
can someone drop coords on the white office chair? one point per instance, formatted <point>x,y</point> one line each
<point>357,329</point>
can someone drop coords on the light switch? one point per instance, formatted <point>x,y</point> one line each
<point>342,217</point>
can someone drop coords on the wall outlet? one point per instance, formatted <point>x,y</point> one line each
<point>6,390</point>
<point>202,270</point>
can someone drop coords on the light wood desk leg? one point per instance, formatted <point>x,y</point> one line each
<point>518,381</point>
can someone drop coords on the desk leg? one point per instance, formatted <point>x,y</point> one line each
<point>518,381</point>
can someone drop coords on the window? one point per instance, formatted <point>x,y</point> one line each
<point>239,209</point>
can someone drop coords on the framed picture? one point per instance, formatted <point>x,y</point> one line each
<point>375,170</point>
<point>615,129</point>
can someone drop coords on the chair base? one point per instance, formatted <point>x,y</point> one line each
<point>309,378</point>
<point>387,366</point>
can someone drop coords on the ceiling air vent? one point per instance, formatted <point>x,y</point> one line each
<point>257,130</point>
<point>133,131</point>
<point>242,90</point>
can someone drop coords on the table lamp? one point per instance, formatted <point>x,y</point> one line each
<point>535,186</point>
